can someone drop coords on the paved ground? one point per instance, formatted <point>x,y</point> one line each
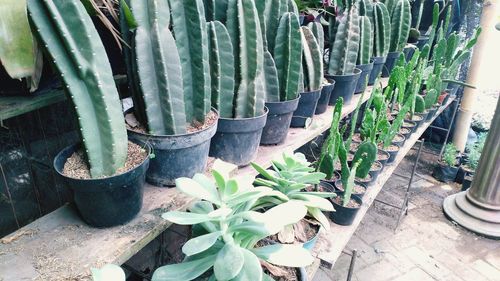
<point>426,246</point>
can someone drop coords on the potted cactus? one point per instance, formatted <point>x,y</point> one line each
<point>400,29</point>
<point>447,168</point>
<point>343,56</point>
<point>171,85</point>
<point>312,67</point>
<point>381,22</point>
<point>106,172</point>
<point>364,61</point>
<point>282,48</point>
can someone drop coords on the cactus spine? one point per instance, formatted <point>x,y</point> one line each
<point>191,38</point>
<point>400,25</point>
<point>345,48</point>
<point>288,56</point>
<point>382,30</point>
<point>158,67</point>
<point>312,62</point>
<point>221,69</point>
<point>246,36</point>
<point>365,40</point>
<point>79,55</point>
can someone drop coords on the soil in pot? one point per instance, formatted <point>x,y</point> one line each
<point>375,169</point>
<point>410,125</point>
<point>281,273</point>
<point>357,138</point>
<point>445,173</point>
<point>327,185</point>
<point>405,132</point>
<point>399,140</point>
<point>382,156</point>
<point>354,146</point>
<point>358,189</point>
<point>392,149</point>
<point>352,203</point>
<point>176,156</point>
<point>366,181</point>
<point>345,215</point>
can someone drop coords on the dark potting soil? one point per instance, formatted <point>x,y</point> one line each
<point>354,146</point>
<point>134,125</point>
<point>404,131</point>
<point>77,166</point>
<point>365,180</point>
<point>382,156</point>
<point>398,138</point>
<point>352,203</point>
<point>376,166</point>
<point>408,125</point>
<point>391,147</point>
<point>358,189</point>
<point>357,137</point>
<point>416,118</point>
<point>280,273</point>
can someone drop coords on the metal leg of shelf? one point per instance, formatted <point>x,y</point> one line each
<point>351,265</point>
<point>404,207</point>
<point>457,103</point>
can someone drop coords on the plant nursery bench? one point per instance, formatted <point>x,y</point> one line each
<point>60,246</point>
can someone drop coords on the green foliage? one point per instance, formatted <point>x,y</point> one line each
<point>365,155</point>
<point>400,25</point>
<point>381,29</point>
<point>450,155</point>
<point>387,137</point>
<point>474,151</point>
<point>312,63</point>
<point>215,10</point>
<point>80,57</point>
<point>344,51</point>
<point>228,230</point>
<point>419,104</point>
<point>290,176</point>
<point>365,40</point>
<point>317,30</point>
<point>431,98</point>
<point>328,156</point>
<point>365,8</point>
<point>349,185</point>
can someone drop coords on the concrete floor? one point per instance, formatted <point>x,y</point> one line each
<point>426,246</point>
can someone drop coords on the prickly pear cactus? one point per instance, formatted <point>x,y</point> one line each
<point>365,155</point>
<point>419,104</point>
<point>382,30</point>
<point>365,41</point>
<point>400,25</point>
<point>79,55</point>
<point>312,62</point>
<point>221,69</point>
<point>345,48</point>
<point>431,98</point>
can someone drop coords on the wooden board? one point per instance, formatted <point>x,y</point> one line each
<point>14,106</point>
<point>59,246</point>
<point>331,244</point>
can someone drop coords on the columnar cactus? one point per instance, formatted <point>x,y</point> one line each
<point>391,5</point>
<point>288,56</point>
<point>312,62</point>
<point>71,39</point>
<point>246,37</point>
<point>382,30</point>
<point>400,25</point>
<point>365,40</point>
<point>365,7</point>
<point>190,29</point>
<point>319,34</point>
<point>345,47</point>
<point>221,69</point>
<point>215,10</point>
<point>158,66</point>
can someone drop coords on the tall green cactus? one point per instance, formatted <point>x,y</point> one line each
<point>365,40</point>
<point>288,56</point>
<point>215,10</point>
<point>391,5</point>
<point>382,30</point>
<point>191,38</point>
<point>365,7</point>
<point>312,62</point>
<point>345,48</point>
<point>221,69</point>
<point>400,25</point>
<point>158,66</point>
<point>71,39</point>
<point>319,34</point>
<point>243,26</point>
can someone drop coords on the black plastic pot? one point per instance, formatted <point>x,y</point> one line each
<point>410,125</point>
<point>408,52</point>
<point>432,112</point>
<point>467,182</point>
<point>378,64</point>
<point>375,173</point>
<point>366,70</point>
<point>109,201</point>
<point>339,187</point>
<point>462,173</point>
<point>236,140</point>
<point>344,215</point>
<point>445,173</point>
<point>401,142</point>
<point>392,155</point>
<point>302,117</point>
<point>331,182</point>
<point>324,98</point>
<point>423,115</point>
<point>278,121</point>
<point>383,161</point>
<point>390,62</point>
<point>422,40</point>
<point>417,122</point>
<point>344,86</point>
<point>176,155</point>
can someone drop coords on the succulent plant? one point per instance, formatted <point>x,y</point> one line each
<point>226,230</point>
<point>365,155</point>
<point>381,29</point>
<point>387,137</point>
<point>246,36</point>
<point>79,55</point>
<point>221,69</point>
<point>344,51</point>
<point>365,8</point>
<point>215,10</point>
<point>328,156</point>
<point>391,5</point>
<point>365,40</point>
<point>312,61</point>
<point>319,34</point>
<point>349,184</point>
<point>419,104</point>
<point>431,97</point>
<point>400,25</point>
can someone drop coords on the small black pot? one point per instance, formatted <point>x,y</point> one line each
<point>462,173</point>
<point>417,122</point>
<point>383,161</point>
<point>344,86</point>
<point>338,187</point>
<point>109,201</point>
<point>375,173</point>
<point>331,182</point>
<point>407,134</point>
<point>390,62</point>
<point>236,140</point>
<point>423,115</point>
<point>467,182</point>
<point>302,117</point>
<point>278,121</point>
<point>408,52</point>
<point>445,173</point>
<point>344,215</point>
<point>378,64</point>
<point>432,112</point>
<point>393,155</point>
<point>176,155</point>
<point>326,92</point>
<point>410,125</point>
<point>401,142</point>
<point>366,70</point>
